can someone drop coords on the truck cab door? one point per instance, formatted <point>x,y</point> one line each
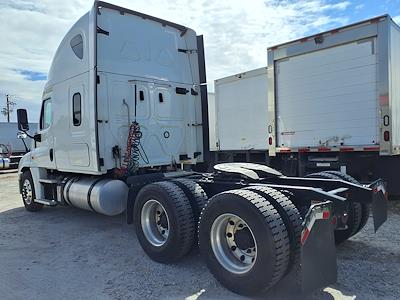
<point>43,155</point>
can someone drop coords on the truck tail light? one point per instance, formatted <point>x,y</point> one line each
<point>386,136</point>
<point>270,140</point>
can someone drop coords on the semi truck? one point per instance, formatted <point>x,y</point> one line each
<point>326,102</point>
<point>124,118</point>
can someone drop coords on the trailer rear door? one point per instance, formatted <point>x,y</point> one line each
<point>328,97</point>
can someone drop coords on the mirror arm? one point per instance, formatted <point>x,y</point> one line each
<point>31,136</point>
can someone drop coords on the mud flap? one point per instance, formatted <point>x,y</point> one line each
<point>318,253</point>
<point>317,267</point>
<point>379,203</point>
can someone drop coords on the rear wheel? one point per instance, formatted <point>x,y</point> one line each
<point>290,216</point>
<point>164,222</point>
<point>354,212</point>
<point>244,241</point>
<point>365,208</point>
<point>28,192</point>
<point>195,193</point>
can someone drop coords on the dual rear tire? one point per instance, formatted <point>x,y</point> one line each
<point>249,238</point>
<point>165,218</point>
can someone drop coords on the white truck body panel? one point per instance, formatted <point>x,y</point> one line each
<point>328,97</point>
<point>394,84</point>
<point>337,91</point>
<point>142,55</point>
<point>242,111</point>
<point>212,122</point>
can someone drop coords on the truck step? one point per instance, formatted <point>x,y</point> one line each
<point>48,181</point>
<point>46,202</point>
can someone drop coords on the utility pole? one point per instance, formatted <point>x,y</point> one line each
<point>6,111</point>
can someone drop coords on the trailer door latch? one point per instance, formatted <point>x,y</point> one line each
<point>181,91</point>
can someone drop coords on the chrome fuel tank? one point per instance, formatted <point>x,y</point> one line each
<point>102,195</point>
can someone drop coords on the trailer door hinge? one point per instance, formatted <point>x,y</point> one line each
<point>101,161</point>
<point>196,124</point>
<point>98,79</point>
<point>188,51</point>
<point>102,31</point>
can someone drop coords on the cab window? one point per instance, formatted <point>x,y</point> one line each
<point>45,117</point>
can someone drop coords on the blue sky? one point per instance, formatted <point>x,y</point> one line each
<point>236,33</point>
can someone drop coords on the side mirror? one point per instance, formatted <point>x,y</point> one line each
<point>21,135</point>
<point>22,117</point>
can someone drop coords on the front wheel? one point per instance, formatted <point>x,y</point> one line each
<point>28,193</point>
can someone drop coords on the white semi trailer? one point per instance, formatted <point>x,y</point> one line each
<point>334,102</point>
<point>124,107</point>
<point>241,118</point>
<point>12,144</point>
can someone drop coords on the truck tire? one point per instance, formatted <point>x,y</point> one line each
<point>354,213</point>
<point>195,193</point>
<point>164,221</point>
<point>28,193</point>
<point>365,208</point>
<point>290,216</point>
<point>244,241</point>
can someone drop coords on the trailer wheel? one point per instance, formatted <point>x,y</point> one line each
<point>365,208</point>
<point>354,213</point>
<point>290,216</point>
<point>28,192</point>
<point>164,221</point>
<point>244,241</point>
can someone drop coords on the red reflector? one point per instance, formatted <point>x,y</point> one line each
<point>270,140</point>
<point>386,136</point>
<point>304,235</point>
<point>324,149</point>
<point>326,215</point>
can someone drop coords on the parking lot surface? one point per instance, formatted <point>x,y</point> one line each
<point>67,253</point>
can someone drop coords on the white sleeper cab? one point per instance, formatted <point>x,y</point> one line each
<point>124,121</point>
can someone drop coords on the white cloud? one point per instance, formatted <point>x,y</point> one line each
<point>397,19</point>
<point>236,33</point>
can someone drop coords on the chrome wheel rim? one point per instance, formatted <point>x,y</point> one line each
<point>155,222</point>
<point>27,194</point>
<point>235,257</point>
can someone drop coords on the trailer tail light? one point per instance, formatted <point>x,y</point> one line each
<point>386,136</point>
<point>270,140</point>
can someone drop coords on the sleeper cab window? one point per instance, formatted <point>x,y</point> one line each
<point>77,45</point>
<point>76,109</point>
<point>45,119</point>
